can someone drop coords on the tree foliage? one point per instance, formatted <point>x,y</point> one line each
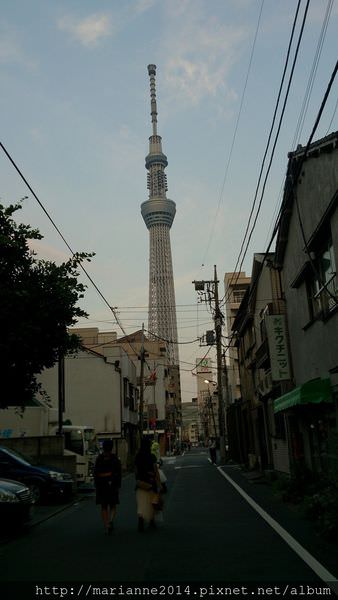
<point>38,302</point>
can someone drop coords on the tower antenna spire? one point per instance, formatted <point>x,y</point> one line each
<point>158,213</point>
<point>153,104</point>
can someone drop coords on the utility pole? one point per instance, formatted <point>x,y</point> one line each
<point>142,358</point>
<point>218,319</point>
<point>226,382</point>
<point>218,332</point>
<point>211,409</point>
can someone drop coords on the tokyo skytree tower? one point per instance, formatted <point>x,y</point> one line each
<point>158,213</point>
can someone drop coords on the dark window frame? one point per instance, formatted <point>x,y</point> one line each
<point>321,280</point>
<point>125,392</point>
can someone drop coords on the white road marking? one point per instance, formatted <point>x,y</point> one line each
<point>316,566</point>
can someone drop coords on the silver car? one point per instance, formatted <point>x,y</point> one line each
<point>16,503</point>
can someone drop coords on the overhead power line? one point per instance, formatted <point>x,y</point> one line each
<point>312,76</point>
<point>300,35</point>
<point>111,308</point>
<point>170,341</point>
<point>196,305</point>
<point>305,106</point>
<point>299,169</point>
<point>276,137</point>
<point>333,116</point>
<point>234,134</point>
<point>61,235</point>
<point>202,359</point>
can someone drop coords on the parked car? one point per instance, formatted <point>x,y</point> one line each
<point>44,482</point>
<point>16,503</point>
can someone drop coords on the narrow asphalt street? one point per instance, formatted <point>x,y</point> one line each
<point>210,533</point>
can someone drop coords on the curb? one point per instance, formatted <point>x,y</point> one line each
<point>54,512</point>
<point>80,497</point>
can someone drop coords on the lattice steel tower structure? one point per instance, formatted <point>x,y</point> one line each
<point>158,213</point>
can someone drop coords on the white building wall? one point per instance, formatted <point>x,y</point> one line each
<point>126,369</point>
<point>235,286</point>
<point>92,392</point>
<point>32,422</point>
<point>156,361</point>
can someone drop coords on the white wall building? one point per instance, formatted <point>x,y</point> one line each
<point>235,286</point>
<point>92,392</point>
<point>100,392</point>
<point>162,395</point>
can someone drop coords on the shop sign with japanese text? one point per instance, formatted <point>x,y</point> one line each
<point>278,347</point>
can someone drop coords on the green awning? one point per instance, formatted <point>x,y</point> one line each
<point>311,392</point>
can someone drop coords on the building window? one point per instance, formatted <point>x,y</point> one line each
<point>125,392</point>
<point>131,397</point>
<point>322,282</point>
<point>249,339</point>
<point>238,296</point>
<point>262,324</point>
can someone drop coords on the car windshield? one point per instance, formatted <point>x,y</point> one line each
<point>74,441</point>
<point>16,455</point>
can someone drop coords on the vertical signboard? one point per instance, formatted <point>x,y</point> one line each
<point>203,365</point>
<point>278,347</point>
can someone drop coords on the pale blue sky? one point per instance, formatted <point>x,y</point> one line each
<point>76,117</point>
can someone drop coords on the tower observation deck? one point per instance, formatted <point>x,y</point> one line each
<point>158,213</point>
